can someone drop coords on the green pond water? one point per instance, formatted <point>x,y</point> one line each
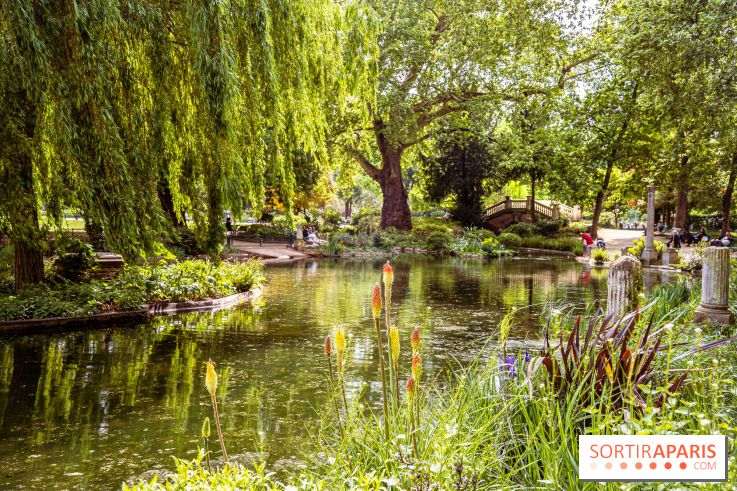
<point>91,409</point>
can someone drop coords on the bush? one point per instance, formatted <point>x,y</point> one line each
<point>469,241</point>
<point>368,224</point>
<point>523,229</point>
<point>510,240</point>
<point>551,227</point>
<point>600,256</point>
<point>331,217</point>
<point>577,228</point>
<point>136,285</point>
<point>425,228</point>
<point>7,272</point>
<point>439,242</point>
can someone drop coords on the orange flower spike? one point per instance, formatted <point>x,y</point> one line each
<point>327,346</point>
<point>410,389</point>
<point>416,341</point>
<point>388,275</point>
<point>376,301</point>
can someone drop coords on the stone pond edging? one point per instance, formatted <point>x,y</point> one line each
<point>94,321</point>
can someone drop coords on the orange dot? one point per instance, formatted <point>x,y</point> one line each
<point>608,465</point>
<point>593,466</point>
<point>668,465</point>
<point>683,465</point>
<point>653,465</point>
<point>638,465</point>
<point>623,465</point>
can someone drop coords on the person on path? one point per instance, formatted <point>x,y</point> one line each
<point>587,243</point>
<point>228,232</point>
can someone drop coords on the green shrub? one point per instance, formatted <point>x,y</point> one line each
<point>469,241</point>
<point>523,229</point>
<point>566,244</point>
<point>551,227</point>
<point>331,217</point>
<point>368,224</point>
<point>425,228</point>
<point>600,255</point>
<point>510,240</point>
<point>577,228</point>
<point>439,242</point>
<point>136,285</point>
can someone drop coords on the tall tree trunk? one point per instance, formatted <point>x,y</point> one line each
<point>167,202</point>
<point>395,210</point>
<point>533,215</point>
<point>348,208</point>
<point>28,265</point>
<point>727,197</point>
<point>682,196</point>
<point>17,186</point>
<point>599,202</point>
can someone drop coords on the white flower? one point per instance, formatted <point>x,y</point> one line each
<point>697,330</point>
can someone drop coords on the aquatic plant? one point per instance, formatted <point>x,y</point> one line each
<point>205,432</point>
<point>211,382</point>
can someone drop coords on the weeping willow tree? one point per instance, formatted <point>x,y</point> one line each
<point>141,113</point>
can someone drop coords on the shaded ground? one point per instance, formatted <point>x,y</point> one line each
<point>268,250</point>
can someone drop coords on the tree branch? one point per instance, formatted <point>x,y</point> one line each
<point>369,168</point>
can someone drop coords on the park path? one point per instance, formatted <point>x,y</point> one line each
<point>268,251</point>
<point>616,238</point>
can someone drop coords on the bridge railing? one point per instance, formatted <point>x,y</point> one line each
<point>555,210</point>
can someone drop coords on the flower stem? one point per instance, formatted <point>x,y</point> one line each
<point>383,378</point>
<point>217,425</point>
<point>332,395</point>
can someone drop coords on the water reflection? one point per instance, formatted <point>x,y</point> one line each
<point>90,409</point>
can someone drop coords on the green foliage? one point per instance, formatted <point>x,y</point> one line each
<point>470,241</point>
<point>439,241</point>
<point>136,285</point>
<point>264,231</point>
<point>576,228</point>
<point>566,244</point>
<point>425,227</point>
<point>639,246</point>
<point>523,229</point>
<point>7,260</point>
<point>510,240</point>
<point>550,228</point>
<point>600,256</point>
<point>465,169</point>
<point>331,217</point>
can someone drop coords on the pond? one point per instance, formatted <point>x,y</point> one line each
<point>90,409</point>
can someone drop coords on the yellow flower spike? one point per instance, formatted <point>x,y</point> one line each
<point>416,341</point>
<point>376,301</point>
<point>327,345</point>
<point>206,427</point>
<point>388,275</point>
<point>340,347</point>
<point>211,378</point>
<point>416,367</point>
<point>394,343</point>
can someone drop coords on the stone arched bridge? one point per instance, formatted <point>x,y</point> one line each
<point>509,211</point>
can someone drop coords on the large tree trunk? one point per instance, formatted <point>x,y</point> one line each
<point>17,186</point>
<point>681,219</point>
<point>533,215</point>
<point>29,264</point>
<point>395,210</point>
<point>167,202</point>
<point>727,197</point>
<point>599,202</point>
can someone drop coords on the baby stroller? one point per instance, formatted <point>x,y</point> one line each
<point>600,243</point>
